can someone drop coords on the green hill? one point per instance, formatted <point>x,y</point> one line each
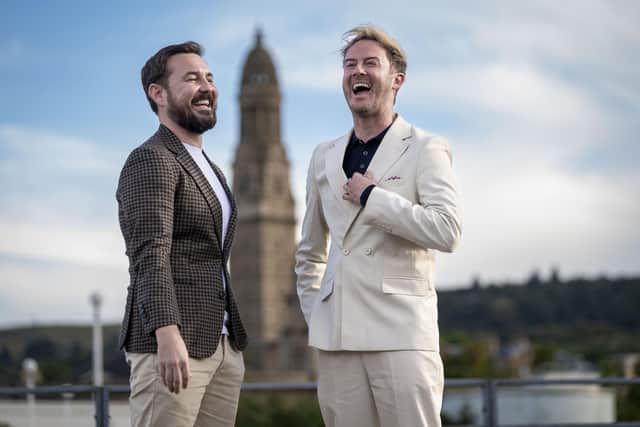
<point>591,317</point>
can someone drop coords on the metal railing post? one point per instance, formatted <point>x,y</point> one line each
<point>101,397</point>
<point>490,404</point>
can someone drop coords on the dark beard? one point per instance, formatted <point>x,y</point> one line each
<point>184,116</point>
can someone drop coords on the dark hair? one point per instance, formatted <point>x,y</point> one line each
<point>155,69</point>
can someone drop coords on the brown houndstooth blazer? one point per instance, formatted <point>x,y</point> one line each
<point>171,221</point>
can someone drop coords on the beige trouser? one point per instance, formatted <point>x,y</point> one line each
<point>380,388</point>
<point>211,399</point>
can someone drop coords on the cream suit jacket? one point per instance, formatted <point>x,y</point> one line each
<point>364,275</point>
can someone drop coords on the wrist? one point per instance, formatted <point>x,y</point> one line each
<point>167,331</point>
<point>364,196</point>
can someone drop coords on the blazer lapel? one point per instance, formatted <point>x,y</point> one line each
<point>333,165</point>
<point>231,227</point>
<point>393,145</point>
<point>337,178</point>
<point>184,158</point>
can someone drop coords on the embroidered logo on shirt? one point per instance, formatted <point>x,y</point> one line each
<point>393,178</point>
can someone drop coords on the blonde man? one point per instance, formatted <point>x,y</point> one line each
<point>380,201</point>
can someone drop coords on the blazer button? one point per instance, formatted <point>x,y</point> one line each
<point>368,251</point>
<point>221,294</point>
<point>345,251</point>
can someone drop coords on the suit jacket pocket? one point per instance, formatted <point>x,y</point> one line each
<point>326,290</point>
<point>393,182</point>
<point>415,286</point>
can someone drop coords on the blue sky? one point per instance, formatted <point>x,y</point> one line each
<point>540,101</point>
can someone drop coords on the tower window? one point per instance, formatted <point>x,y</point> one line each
<point>259,79</point>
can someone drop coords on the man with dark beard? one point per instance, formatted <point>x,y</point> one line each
<point>181,332</point>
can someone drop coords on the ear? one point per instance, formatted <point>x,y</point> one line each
<point>158,94</point>
<point>398,81</point>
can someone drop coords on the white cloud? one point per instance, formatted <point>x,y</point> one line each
<point>58,200</point>
<point>313,62</point>
<point>527,215</point>
<point>87,245</point>
<point>314,78</point>
<point>43,153</point>
<point>58,292</point>
<point>233,31</point>
<point>511,91</point>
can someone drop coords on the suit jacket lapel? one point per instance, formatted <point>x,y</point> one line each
<point>231,227</point>
<point>333,165</point>
<point>184,158</point>
<point>337,178</point>
<point>393,145</point>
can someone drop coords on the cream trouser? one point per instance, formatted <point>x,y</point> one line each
<point>380,388</point>
<point>211,399</point>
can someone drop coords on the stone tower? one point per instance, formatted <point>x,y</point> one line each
<point>264,246</point>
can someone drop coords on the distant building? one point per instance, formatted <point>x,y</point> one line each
<point>630,364</point>
<point>262,261</point>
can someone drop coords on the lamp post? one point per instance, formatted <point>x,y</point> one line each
<point>96,302</point>
<point>30,375</point>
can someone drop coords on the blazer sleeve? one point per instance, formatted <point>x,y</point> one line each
<point>432,223</point>
<point>146,201</point>
<point>311,256</point>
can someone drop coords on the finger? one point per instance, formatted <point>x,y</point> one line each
<point>186,373</point>
<point>163,374</point>
<point>177,379</point>
<point>169,377</point>
<point>368,175</point>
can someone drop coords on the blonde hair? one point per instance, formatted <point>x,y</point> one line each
<point>396,55</point>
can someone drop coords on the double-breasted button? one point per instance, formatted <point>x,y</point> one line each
<point>368,251</point>
<point>345,251</point>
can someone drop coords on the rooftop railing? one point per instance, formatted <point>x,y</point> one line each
<point>489,391</point>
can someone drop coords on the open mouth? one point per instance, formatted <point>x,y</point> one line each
<point>203,103</point>
<point>360,87</point>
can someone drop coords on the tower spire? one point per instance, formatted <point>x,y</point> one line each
<point>258,36</point>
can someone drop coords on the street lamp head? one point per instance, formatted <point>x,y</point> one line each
<point>30,372</point>
<point>96,299</point>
